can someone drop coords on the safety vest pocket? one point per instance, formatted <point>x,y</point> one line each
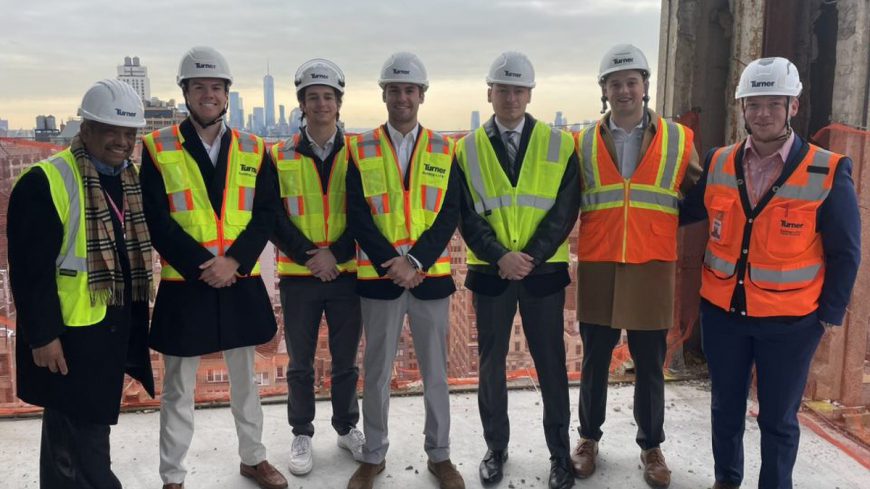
<point>790,231</point>
<point>720,267</point>
<point>374,179</point>
<point>290,179</point>
<point>175,175</point>
<point>780,278</point>
<point>720,212</point>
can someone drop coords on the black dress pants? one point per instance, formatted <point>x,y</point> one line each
<point>648,349</point>
<point>543,326</point>
<point>74,454</point>
<point>304,302</point>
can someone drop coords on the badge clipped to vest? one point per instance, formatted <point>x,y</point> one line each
<point>716,227</point>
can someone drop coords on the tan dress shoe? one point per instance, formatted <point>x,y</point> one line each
<point>364,477</point>
<point>447,475</point>
<point>655,470</point>
<point>583,457</point>
<point>265,474</point>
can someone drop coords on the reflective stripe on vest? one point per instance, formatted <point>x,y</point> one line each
<point>515,212</point>
<point>320,215</point>
<point>402,215</point>
<point>784,260</point>
<point>187,195</point>
<point>71,276</point>
<point>631,220</point>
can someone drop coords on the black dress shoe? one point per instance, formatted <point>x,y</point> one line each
<point>561,473</point>
<point>491,467</point>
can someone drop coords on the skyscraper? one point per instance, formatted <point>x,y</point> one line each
<point>136,75</point>
<point>475,119</point>
<point>560,121</point>
<point>237,114</point>
<point>257,126</point>
<point>269,98</point>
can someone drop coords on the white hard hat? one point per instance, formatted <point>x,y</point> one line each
<point>512,68</point>
<point>622,57</point>
<point>404,67</point>
<point>113,102</point>
<point>769,76</point>
<point>203,62</point>
<point>319,71</point>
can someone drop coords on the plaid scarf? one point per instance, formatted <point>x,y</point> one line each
<point>105,277</point>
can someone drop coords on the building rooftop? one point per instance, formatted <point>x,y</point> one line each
<point>212,460</point>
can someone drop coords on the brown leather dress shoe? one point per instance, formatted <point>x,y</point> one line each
<point>173,485</point>
<point>724,485</point>
<point>364,477</point>
<point>583,457</point>
<point>266,475</point>
<point>447,475</point>
<point>655,470</point>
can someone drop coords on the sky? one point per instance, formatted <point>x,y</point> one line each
<point>51,51</point>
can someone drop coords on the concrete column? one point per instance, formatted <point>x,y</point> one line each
<point>851,102</point>
<point>747,43</point>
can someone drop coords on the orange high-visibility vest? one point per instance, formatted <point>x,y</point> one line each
<point>320,214</point>
<point>189,206</point>
<point>774,253</point>
<point>631,220</point>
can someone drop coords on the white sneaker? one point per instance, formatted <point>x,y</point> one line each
<point>301,461</point>
<point>353,442</point>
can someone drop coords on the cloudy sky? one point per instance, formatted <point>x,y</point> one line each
<point>51,51</point>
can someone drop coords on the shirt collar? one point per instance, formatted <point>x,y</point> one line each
<point>397,138</point>
<point>502,128</point>
<point>783,150</point>
<point>217,140</point>
<point>329,142</point>
<point>109,170</point>
<point>613,127</point>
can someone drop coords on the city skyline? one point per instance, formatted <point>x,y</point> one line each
<point>564,40</point>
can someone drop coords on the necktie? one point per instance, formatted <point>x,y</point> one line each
<point>510,145</point>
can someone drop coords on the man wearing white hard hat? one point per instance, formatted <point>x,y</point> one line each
<point>782,256</point>
<point>520,202</point>
<point>316,262</point>
<point>402,201</point>
<point>210,203</point>
<point>80,270</point>
<point>635,166</point>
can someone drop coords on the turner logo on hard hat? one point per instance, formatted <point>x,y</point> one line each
<point>403,67</point>
<point>619,61</point>
<point>205,65</point>
<point>113,102</point>
<point>511,68</point>
<point>762,84</point>
<point>318,71</point>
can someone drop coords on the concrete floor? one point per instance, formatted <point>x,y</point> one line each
<point>213,464</point>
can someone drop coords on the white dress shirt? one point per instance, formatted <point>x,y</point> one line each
<point>214,149</point>
<point>404,145</point>
<point>326,150</point>
<point>627,146</point>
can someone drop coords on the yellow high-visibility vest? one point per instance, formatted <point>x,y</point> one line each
<point>320,215</point>
<point>403,215</point>
<point>189,205</point>
<point>71,273</point>
<point>515,212</point>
